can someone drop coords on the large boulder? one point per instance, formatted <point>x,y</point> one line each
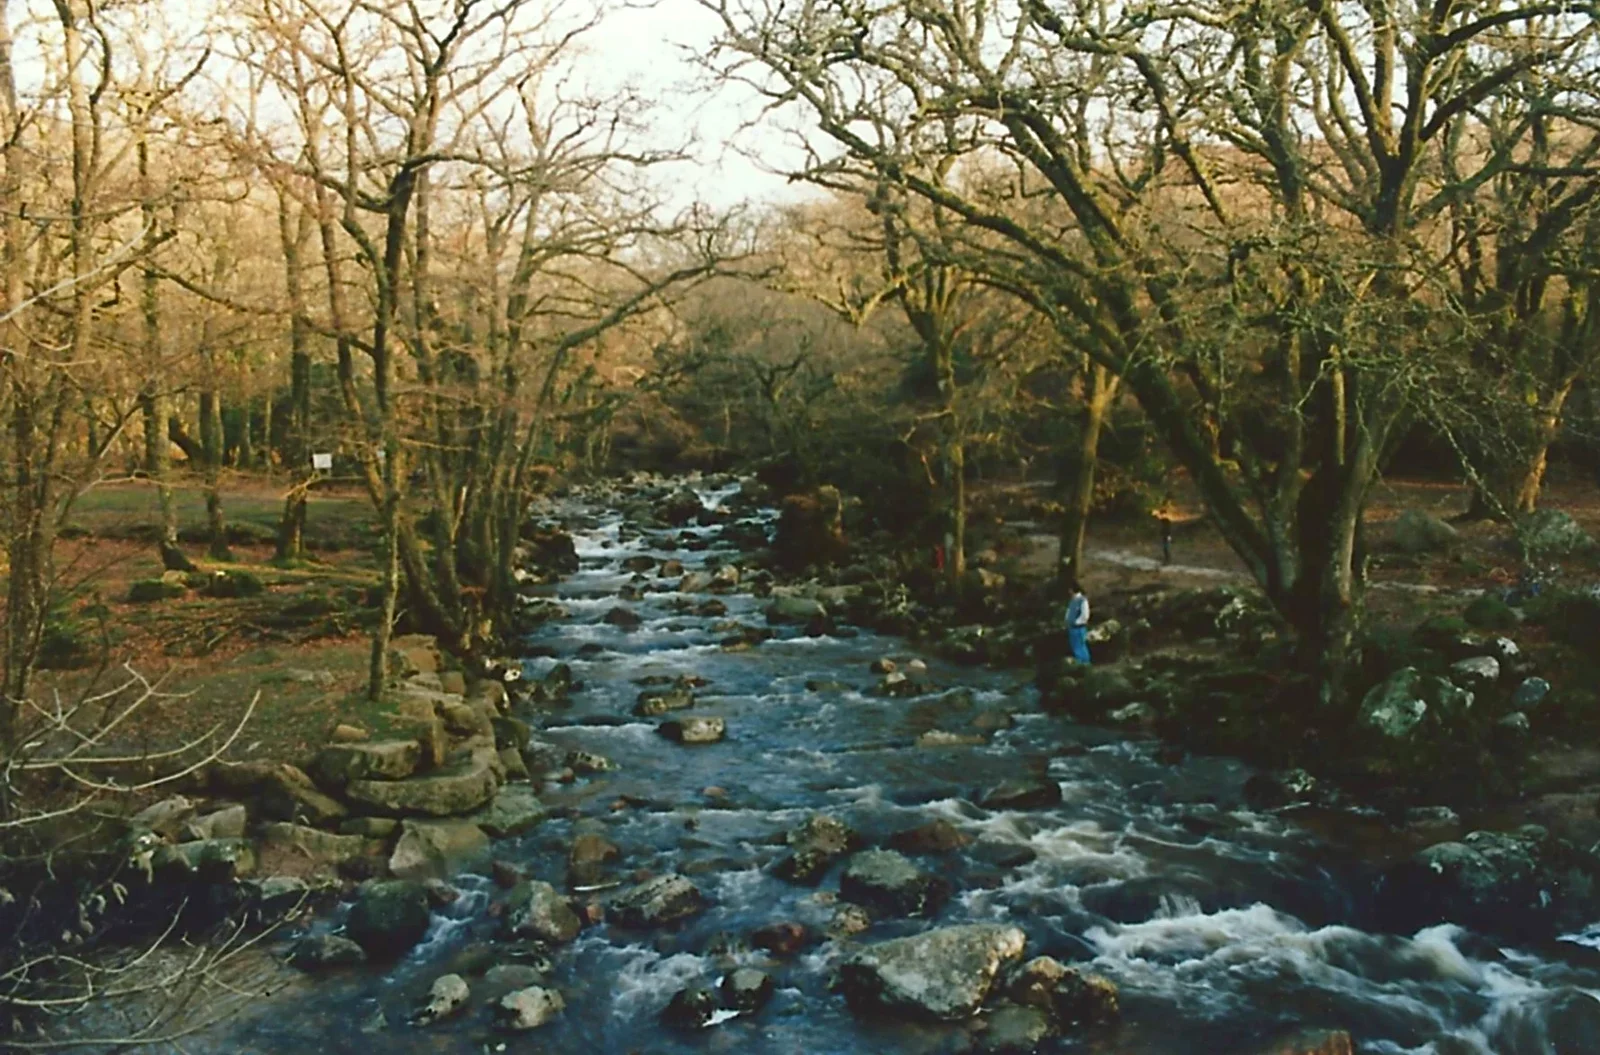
<point>1397,707</point>
<point>552,549</point>
<point>1070,997</point>
<point>1521,884</point>
<point>811,529</point>
<point>694,729</point>
<point>889,883</point>
<point>438,849</point>
<point>942,974</point>
<point>814,845</point>
<point>654,702</point>
<point>388,917</point>
<point>658,902</point>
<point>450,792</point>
<point>788,608</point>
<point>515,809</point>
<point>336,765</point>
<point>535,910</point>
<point>324,850</point>
<point>1416,532</point>
<point>527,1008</point>
<point>283,792</point>
<point>680,508</point>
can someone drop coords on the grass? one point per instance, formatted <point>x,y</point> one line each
<point>302,642</point>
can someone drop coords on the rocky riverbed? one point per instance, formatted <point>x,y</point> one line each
<point>764,829</point>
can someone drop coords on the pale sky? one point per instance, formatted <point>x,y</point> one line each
<point>650,48</point>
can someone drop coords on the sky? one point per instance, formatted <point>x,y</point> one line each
<point>651,47</point>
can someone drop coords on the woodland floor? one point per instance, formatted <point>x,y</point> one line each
<point>300,646</point>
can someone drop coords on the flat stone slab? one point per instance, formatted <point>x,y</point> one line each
<point>461,790</point>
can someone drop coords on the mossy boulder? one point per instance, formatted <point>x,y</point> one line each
<point>147,591</point>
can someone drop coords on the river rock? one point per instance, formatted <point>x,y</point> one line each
<point>638,563</point>
<point>1070,997</point>
<point>321,952</point>
<point>1530,694</point>
<point>459,789</point>
<point>811,529</point>
<point>747,989</point>
<point>229,822</point>
<point>787,608</point>
<point>166,818</point>
<point>323,849</point>
<point>694,729</point>
<point>938,836</point>
<point>848,921</point>
<point>814,845</point>
<point>653,702</point>
<point>625,618</point>
<point>679,508</point>
<point>388,917</point>
<point>447,997</point>
<point>515,809</point>
<point>695,582</point>
<point>438,849</point>
<point>589,858</point>
<point>693,1008</point>
<point>1022,793</point>
<point>587,762</point>
<point>1011,1030</point>
<point>1417,532</point>
<point>528,1008</point>
<point>285,792</point>
<point>672,569</point>
<point>336,765</point>
<point>210,860</point>
<point>942,974</point>
<point>889,883</point>
<point>1395,707</point>
<point>725,579</point>
<point>781,939</point>
<point>1476,671</point>
<point>535,910</point>
<point>1521,884</point>
<point>505,978</point>
<point>658,902</point>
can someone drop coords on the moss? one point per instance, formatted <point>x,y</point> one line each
<point>1488,612</point>
<point>234,583</point>
<point>145,591</point>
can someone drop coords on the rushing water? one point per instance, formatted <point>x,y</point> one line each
<point>1223,927</point>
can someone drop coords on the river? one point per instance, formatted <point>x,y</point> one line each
<point>1223,927</point>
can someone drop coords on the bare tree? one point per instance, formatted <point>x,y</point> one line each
<point>1233,210</point>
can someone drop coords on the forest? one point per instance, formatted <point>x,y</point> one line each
<point>332,332</point>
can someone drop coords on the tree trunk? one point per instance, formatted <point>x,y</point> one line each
<point>297,443</point>
<point>211,444</point>
<point>1077,498</point>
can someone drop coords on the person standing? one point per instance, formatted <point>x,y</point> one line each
<point>1165,516</point>
<point>1078,624</point>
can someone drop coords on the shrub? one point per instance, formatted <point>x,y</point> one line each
<point>1488,612</point>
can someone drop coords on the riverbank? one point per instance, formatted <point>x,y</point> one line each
<point>1225,926</point>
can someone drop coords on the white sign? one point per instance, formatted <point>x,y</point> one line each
<point>322,461</point>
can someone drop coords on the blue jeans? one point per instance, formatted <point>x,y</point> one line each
<point>1078,638</point>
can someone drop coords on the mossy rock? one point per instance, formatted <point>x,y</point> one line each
<point>1441,631</point>
<point>1488,612</point>
<point>146,591</point>
<point>234,584</point>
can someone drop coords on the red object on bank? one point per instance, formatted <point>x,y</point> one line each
<point>938,558</point>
